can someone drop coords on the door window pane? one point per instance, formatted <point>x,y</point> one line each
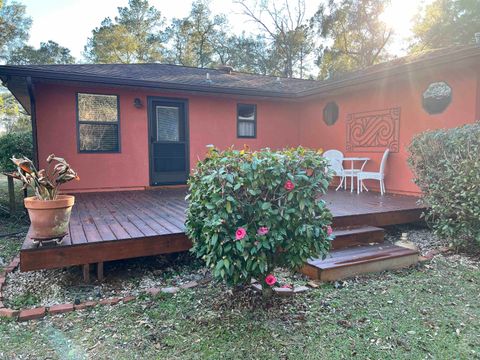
<point>168,118</point>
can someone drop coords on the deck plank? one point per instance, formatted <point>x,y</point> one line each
<point>104,230</point>
<point>144,223</point>
<point>117,222</point>
<point>88,223</point>
<point>163,212</point>
<point>130,216</point>
<point>117,230</point>
<point>130,228</point>
<point>150,217</point>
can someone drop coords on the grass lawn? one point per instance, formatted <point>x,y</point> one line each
<point>431,311</point>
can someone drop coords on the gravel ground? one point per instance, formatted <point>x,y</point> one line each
<point>122,278</point>
<point>128,277</point>
<point>418,233</point>
<point>132,277</point>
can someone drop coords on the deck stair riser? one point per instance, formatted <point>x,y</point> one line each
<point>355,236</point>
<point>353,261</point>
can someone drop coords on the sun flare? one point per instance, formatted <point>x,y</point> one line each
<point>399,14</point>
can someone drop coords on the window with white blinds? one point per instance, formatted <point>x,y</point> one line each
<point>168,123</point>
<point>98,123</point>
<point>246,120</point>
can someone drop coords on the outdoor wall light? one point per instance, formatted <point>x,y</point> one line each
<point>137,102</point>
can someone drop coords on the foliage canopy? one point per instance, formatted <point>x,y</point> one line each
<point>446,22</point>
<point>135,35</point>
<point>359,38</point>
<point>14,27</point>
<point>446,164</point>
<point>48,53</point>
<point>14,144</point>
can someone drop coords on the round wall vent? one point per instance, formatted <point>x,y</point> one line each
<point>330,113</point>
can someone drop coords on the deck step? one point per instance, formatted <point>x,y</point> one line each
<point>349,262</point>
<point>355,236</point>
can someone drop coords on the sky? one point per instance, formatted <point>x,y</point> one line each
<point>70,22</point>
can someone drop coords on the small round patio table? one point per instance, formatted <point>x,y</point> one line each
<point>353,171</point>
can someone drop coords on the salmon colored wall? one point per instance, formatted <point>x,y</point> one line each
<point>212,120</point>
<point>406,93</point>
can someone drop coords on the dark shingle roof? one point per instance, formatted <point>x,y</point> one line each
<point>180,76</point>
<point>174,77</point>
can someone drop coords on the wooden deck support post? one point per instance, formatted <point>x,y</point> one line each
<point>11,196</point>
<point>100,271</point>
<point>86,273</point>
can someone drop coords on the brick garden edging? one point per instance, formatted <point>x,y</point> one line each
<point>40,312</point>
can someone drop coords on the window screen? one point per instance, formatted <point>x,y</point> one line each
<point>246,120</point>
<point>168,123</point>
<point>98,123</point>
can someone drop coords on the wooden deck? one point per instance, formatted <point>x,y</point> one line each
<point>119,225</point>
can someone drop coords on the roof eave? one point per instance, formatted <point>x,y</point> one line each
<point>51,75</point>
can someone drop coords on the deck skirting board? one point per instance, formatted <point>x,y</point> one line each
<point>51,257</point>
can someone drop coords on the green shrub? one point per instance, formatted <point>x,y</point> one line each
<point>14,144</point>
<point>250,212</point>
<point>446,164</point>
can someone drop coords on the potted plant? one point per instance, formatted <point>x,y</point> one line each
<point>49,211</point>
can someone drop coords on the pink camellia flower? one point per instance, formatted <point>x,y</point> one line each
<point>270,280</point>
<point>329,230</point>
<point>240,233</point>
<point>262,230</point>
<point>289,186</point>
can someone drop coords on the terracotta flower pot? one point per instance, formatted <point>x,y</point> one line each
<point>49,218</point>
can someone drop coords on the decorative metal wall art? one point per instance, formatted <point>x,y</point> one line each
<point>373,131</point>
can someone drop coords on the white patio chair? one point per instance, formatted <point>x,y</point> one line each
<point>335,159</point>
<point>371,175</point>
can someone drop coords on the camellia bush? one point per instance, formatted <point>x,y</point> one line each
<point>250,212</point>
<point>446,164</point>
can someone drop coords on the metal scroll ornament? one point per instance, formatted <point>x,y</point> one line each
<point>373,131</point>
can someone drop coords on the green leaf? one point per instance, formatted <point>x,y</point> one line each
<point>214,239</point>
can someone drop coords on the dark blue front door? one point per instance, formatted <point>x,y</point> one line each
<point>168,141</point>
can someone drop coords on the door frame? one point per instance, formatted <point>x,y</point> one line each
<point>150,114</point>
